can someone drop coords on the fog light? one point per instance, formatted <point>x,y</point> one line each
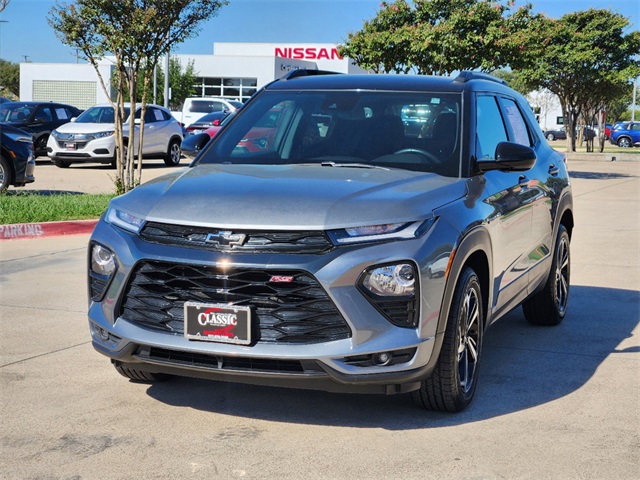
<point>102,333</point>
<point>102,260</point>
<point>382,359</point>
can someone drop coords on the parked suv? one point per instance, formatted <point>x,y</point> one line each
<point>626,134</point>
<point>195,108</point>
<point>90,138</point>
<point>17,162</point>
<point>38,119</point>
<point>348,254</point>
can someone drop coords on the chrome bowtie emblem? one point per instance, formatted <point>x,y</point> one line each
<point>225,237</point>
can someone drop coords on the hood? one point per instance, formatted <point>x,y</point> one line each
<point>289,197</point>
<point>81,127</point>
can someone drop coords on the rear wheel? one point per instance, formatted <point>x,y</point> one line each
<point>550,137</point>
<point>548,307</point>
<point>172,158</point>
<point>140,375</point>
<point>452,383</point>
<point>624,142</point>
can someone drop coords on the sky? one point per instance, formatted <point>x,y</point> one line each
<point>25,34</point>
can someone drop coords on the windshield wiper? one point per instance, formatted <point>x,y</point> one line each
<point>352,165</point>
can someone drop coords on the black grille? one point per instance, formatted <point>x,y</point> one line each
<point>312,242</point>
<point>298,311</point>
<point>219,362</point>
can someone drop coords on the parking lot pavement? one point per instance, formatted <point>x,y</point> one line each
<point>88,177</point>
<point>552,403</point>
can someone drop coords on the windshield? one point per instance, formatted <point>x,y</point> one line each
<point>99,115</point>
<point>15,113</point>
<point>414,131</point>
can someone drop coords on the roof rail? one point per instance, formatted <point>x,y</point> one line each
<point>304,72</point>
<point>467,75</point>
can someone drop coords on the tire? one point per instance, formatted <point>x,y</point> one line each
<point>61,163</point>
<point>624,142</point>
<point>549,306</point>
<point>172,158</point>
<point>6,174</point>
<point>550,137</point>
<point>140,375</point>
<point>452,383</point>
<point>40,145</point>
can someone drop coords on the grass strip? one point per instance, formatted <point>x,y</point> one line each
<point>30,207</point>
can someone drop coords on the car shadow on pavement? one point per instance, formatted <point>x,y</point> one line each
<point>523,367</point>
<point>599,175</point>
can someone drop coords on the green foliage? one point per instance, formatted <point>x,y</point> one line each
<point>441,36</point>
<point>136,33</point>
<point>27,207</point>
<point>181,82</point>
<point>9,78</point>
<point>586,59</point>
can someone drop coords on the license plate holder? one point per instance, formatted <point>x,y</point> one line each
<point>70,146</point>
<point>217,322</point>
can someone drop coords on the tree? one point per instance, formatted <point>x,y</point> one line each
<point>585,58</point>
<point>440,36</point>
<point>3,4</point>
<point>181,83</point>
<point>10,77</point>
<point>136,33</point>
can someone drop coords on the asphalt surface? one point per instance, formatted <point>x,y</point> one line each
<point>552,403</point>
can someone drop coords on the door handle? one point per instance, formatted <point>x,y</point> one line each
<point>553,170</point>
<point>523,181</point>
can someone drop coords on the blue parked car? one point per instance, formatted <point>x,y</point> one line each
<point>626,135</point>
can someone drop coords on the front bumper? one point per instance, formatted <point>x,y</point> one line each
<point>331,365</point>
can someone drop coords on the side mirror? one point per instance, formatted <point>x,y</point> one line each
<point>192,145</point>
<point>73,119</point>
<point>509,157</point>
<point>137,121</point>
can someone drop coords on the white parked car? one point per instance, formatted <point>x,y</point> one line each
<point>195,108</point>
<point>90,137</point>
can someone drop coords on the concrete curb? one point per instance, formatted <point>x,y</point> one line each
<point>19,231</point>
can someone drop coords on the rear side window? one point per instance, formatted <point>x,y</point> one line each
<point>490,127</point>
<point>206,106</point>
<point>516,122</point>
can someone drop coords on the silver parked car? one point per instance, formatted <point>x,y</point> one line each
<point>340,248</point>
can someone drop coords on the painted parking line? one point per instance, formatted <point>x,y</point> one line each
<point>46,229</point>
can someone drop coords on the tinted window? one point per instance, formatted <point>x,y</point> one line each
<point>516,122</point>
<point>490,127</point>
<point>44,114</point>
<point>206,106</point>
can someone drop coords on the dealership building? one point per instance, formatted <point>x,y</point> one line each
<point>234,70</point>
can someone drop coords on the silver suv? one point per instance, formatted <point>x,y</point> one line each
<point>340,248</point>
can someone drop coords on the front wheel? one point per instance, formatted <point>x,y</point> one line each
<point>452,383</point>
<point>5,174</point>
<point>549,306</point>
<point>172,158</point>
<point>550,137</point>
<point>624,142</point>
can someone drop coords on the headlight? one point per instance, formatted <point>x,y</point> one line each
<point>101,134</point>
<point>102,267</point>
<point>19,137</point>
<point>392,280</point>
<point>124,220</point>
<point>376,233</point>
<point>392,290</point>
<point>102,260</point>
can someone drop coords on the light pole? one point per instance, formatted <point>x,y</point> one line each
<point>1,22</point>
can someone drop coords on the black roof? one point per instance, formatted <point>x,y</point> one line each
<point>312,79</point>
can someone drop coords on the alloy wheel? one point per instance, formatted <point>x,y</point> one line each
<point>562,276</point>
<point>469,331</point>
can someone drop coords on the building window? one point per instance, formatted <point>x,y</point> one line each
<point>236,88</point>
<point>559,120</point>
